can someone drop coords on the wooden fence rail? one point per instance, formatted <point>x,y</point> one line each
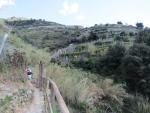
<point>51,93</point>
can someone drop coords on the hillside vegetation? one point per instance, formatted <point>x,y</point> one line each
<point>2,26</point>
<point>100,69</point>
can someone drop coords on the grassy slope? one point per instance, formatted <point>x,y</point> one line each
<point>48,35</point>
<point>31,54</point>
<point>53,36</point>
<point>2,28</point>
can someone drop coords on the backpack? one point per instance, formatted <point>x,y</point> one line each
<point>29,73</point>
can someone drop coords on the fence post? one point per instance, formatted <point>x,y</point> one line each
<point>40,75</point>
<point>52,94</point>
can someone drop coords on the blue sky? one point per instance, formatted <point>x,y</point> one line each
<point>79,12</point>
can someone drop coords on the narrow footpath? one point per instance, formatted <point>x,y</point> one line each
<point>37,104</point>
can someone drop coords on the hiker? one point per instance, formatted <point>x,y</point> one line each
<point>29,73</point>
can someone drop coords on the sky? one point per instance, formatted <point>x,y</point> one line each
<point>79,12</point>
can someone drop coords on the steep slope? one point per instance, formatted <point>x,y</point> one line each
<point>52,36</point>
<point>17,94</point>
<point>48,35</point>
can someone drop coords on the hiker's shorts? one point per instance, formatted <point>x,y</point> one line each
<point>29,77</point>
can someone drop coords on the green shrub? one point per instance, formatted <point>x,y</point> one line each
<point>136,104</point>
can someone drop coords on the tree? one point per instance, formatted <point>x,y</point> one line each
<point>143,37</point>
<point>112,60</point>
<point>131,34</point>
<point>144,84</point>
<point>119,22</point>
<point>123,33</point>
<point>142,51</point>
<point>139,25</point>
<point>118,38</point>
<point>135,69</point>
<point>116,52</point>
<point>131,71</point>
<point>92,36</point>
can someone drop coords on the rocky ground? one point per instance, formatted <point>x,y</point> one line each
<point>20,98</point>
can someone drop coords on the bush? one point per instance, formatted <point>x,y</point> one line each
<point>131,34</point>
<point>139,25</point>
<point>119,22</point>
<point>143,37</point>
<point>131,71</point>
<point>136,104</point>
<point>112,60</point>
<point>142,51</point>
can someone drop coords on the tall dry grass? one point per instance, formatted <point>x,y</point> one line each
<point>32,54</point>
<point>78,89</point>
<point>137,104</point>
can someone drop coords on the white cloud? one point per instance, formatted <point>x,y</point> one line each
<point>6,3</point>
<point>69,8</point>
<point>72,9</point>
<point>80,17</point>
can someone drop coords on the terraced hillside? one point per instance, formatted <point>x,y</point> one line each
<point>52,36</point>
<point>100,69</point>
